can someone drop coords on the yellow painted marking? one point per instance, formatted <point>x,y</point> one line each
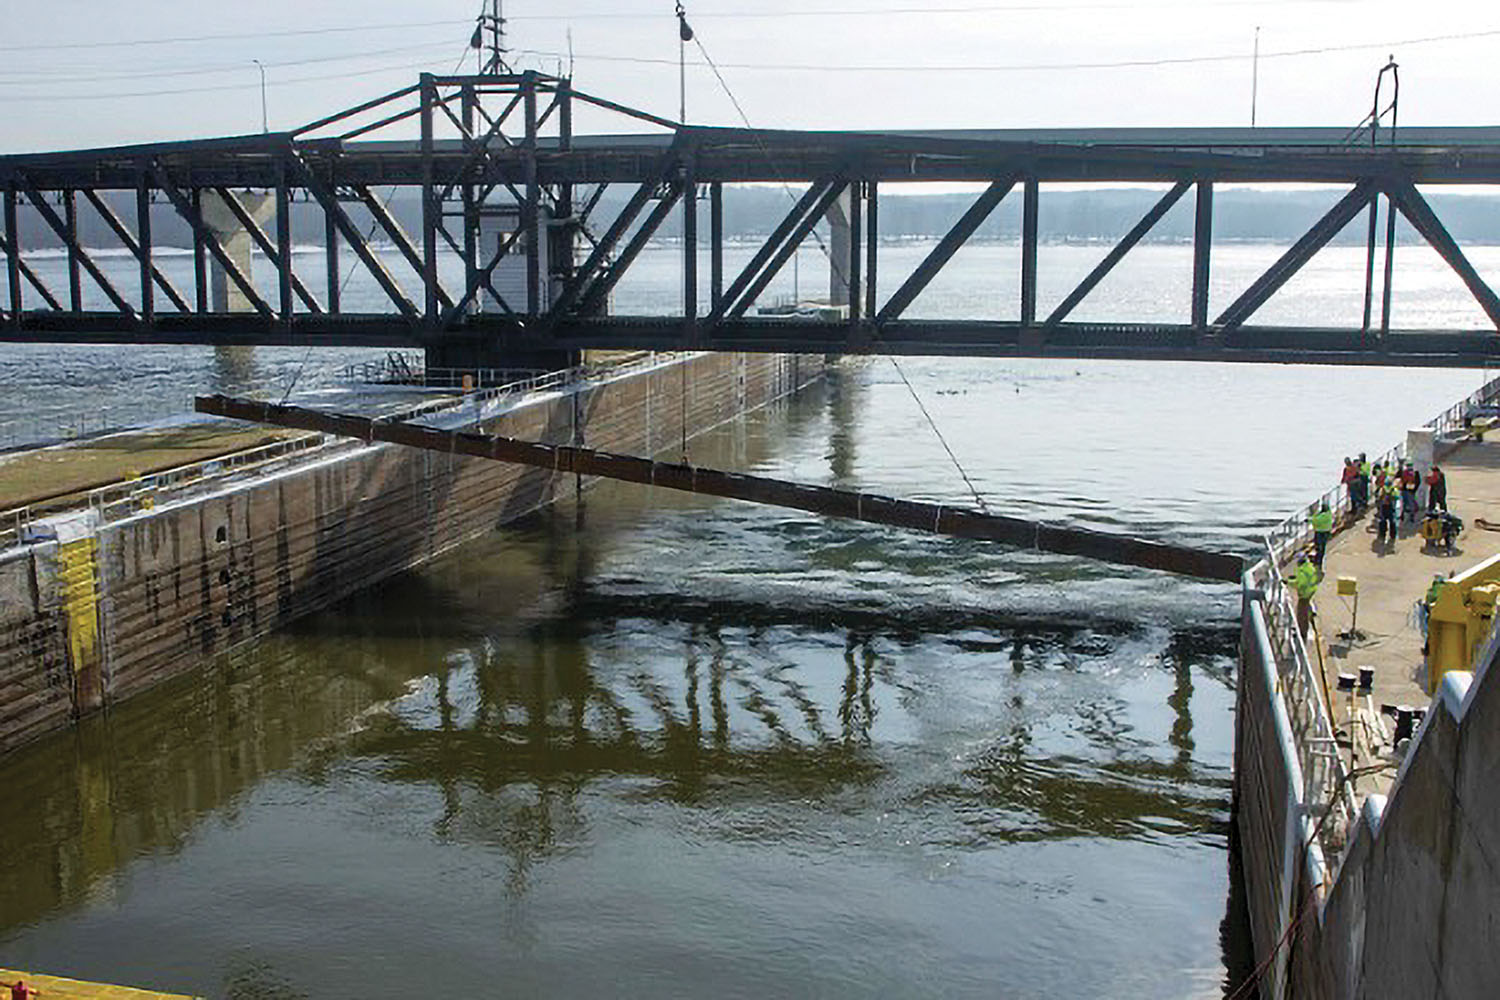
<point>80,600</point>
<point>57,988</point>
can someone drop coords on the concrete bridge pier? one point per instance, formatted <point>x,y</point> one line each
<point>840,248</point>
<point>224,295</point>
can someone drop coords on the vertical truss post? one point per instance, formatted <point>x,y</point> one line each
<point>1370,262</point>
<point>75,268</point>
<point>1408,200</point>
<point>716,245</point>
<point>200,255</point>
<point>1390,261</point>
<point>429,208</point>
<point>939,256</point>
<point>143,255</point>
<point>1203,238</point>
<point>856,224</point>
<point>331,259</point>
<point>562,258</point>
<point>872,246</point>
<point>468,112</point>
<point>13,254</point>
<point>1030,206</point>
<point>284,239</point>
<point>1116,254</point>
<point>690,250</point>
<point>531,215</point>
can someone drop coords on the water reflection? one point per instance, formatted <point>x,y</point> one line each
<point>552,708</point>
<point>512,725</point>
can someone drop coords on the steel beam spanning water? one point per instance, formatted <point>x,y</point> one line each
<point>915,515</point>
<point>504,184</point>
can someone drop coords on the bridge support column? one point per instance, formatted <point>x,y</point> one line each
<point>224,294</point>
<point>841,249</point>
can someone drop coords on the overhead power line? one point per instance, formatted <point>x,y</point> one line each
<point>224,87</point>
<point>230,36</point>
<point>235,67</point>
<point>944,10</point>
<point>1222,57</point>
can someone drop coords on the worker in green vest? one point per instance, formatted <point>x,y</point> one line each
<point>1322,526</point>
<point>1364,484</point>
<point>1306,583</point>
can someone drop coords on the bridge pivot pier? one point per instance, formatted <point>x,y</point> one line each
<point>228,215</point>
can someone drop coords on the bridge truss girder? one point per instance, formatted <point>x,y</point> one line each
<point>490,145</point>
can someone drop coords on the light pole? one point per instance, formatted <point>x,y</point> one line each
<point>684,35</point>
<point>264,124</point>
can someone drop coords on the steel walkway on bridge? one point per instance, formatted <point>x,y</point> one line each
<point>505,187</point>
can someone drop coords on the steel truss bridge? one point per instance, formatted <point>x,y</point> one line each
<point>504,183</point>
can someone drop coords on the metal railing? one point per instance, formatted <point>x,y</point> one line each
<point>129,497</point>
<point>1325,775</point>
<point>1296,531</point>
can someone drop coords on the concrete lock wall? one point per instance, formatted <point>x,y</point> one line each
<point>113,609</point>
<point>1410,910</point>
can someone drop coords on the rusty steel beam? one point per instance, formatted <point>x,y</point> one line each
<point>870,508</point>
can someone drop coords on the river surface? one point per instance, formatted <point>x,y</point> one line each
<point>657,745</point>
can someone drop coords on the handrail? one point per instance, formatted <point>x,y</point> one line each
<point>1327,788</point>
<point>1296,530</point>
<point>122,499</point>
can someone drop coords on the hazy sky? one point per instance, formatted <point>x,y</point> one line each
<point>81,73</point>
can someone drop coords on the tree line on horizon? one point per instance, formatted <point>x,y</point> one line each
<point>1075,215</point>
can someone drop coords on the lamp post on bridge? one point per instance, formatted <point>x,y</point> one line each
<point>265,126</point>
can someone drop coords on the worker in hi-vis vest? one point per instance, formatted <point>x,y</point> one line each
<point>1322,526</point>
<point>1306,583</point>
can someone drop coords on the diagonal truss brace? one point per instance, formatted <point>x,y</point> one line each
<point>134,246</point>
<point>599,290</point>
<point>793,241</point>
<point>267,247</point>
<point>1419,213</point>
<point>24,270</point>
<point>1279,273</point>
<point>326,197</point>
<point>66,234</point>
<point>949,245</point>
<point>773,245</point>
<point>206,238</point>
<point>1127,243</point>
<point>605,245</point>
<point>399,237</point>
<point>482,277</point>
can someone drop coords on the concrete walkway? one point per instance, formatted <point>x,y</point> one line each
<point>1392,578</point>
<point>57,988</point>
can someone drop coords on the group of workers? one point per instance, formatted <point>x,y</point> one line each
<point>1391,488</point>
